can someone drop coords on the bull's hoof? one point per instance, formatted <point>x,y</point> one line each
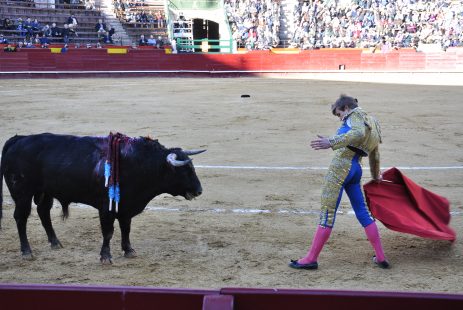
<point>130,254</point>
<point>56,245</point>
<point>27,256</point>
<point>106,260</point>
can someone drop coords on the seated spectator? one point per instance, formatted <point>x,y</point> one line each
<point>8,24</point>
<point>142,17</point>
<point>36,25</point>
<point>142,41</point>
<point>44,41</point>
<point>65,33</point>
<point>72,24</point>
<point>29,45</point>
<point>151,41</point>
<point>110,34</point>
<point>383,46</point>
<point>46,30</point>
<point>159,42</point>
<point>100,28</point>
<point>20,27</point>
<point>3,40</point>
<point>36,39</point>
<point>55,31</point>
<point>28,27</point>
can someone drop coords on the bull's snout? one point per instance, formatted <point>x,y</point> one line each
<point>194,193</point>
<point>199,191</point>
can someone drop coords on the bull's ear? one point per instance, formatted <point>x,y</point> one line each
<point>194,152</point>
<point>172,160</point>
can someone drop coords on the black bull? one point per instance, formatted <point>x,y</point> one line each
<point>70,169</point>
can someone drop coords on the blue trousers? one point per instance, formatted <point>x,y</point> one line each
<point>343,174</point>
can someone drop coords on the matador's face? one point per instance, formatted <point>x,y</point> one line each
<point>341,114</point>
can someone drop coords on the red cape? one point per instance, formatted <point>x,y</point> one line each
<point>402,205</point>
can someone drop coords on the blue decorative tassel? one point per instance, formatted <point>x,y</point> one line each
<point>111,193</point>
<point>107,173</point>
<point>117,196</point>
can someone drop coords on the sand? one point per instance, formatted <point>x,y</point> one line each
<point>248,223</point>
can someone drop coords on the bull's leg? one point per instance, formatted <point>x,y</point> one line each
<point>44,204</point>
<point>21,213</point>
<point>107,228</point>
<point>124,224</point>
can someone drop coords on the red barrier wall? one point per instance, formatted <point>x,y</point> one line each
<point>42,60</point>
<point>69,297</point>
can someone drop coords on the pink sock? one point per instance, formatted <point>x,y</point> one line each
<point>373,236</point>
<point>321,236</point>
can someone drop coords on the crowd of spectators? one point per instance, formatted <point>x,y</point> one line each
<point>31,31</point>
<point>255,24</point>
<point>139,13</point>
<point>349,23</point>
<point>52,4</point>
<point>27,32</point>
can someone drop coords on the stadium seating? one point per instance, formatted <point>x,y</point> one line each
<point>48,15</point>
<point>135,24</point>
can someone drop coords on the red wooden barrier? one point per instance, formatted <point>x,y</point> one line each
<point>59,297</point>
<point>256,299</point>
<point>144,60</point>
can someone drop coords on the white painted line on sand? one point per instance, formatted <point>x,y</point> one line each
<point>225,167</point>
<point>244,167</point>
<point>250,211</point>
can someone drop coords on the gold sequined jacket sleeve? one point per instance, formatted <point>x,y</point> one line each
<point>353,136</point>
<point>373,158</point>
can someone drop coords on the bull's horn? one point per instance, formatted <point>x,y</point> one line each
<point>172,160</point>
<point>193,152</point>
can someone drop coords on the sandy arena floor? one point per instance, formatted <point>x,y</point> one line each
<point>248,223</point>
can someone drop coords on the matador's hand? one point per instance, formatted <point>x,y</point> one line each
<point>379,178</point>
<point>321,143</point>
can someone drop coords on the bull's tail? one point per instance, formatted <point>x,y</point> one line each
<point>7,145</point>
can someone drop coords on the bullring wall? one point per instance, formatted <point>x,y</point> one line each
<point>70,297</point>
<point>34,60</point>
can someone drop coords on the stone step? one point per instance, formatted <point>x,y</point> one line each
<point>111,19</point>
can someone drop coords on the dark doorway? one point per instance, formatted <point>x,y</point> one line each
<point>206,29</point>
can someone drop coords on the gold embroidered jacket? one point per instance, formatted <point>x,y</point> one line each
<point>363,138</point>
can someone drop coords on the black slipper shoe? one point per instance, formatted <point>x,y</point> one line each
<point>384,264</point>
<point>294,264</point>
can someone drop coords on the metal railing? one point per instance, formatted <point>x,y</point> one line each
<point>204,46</point>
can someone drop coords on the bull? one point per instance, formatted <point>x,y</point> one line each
<point>69,168</point>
